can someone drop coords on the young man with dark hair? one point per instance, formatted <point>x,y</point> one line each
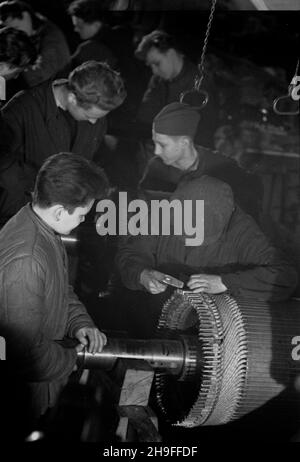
<point>38,307</point>
<point>64,115</point>
<point>88,21</point>
<point>17,52</point>
<point>49,40</point>
<point>173,73</point>
<point>93,84</point>
<point>112,44</point>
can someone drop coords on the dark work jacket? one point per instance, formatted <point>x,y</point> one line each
<point>242,256</point>
<point>161,92</point>
<point>38,129</point>
<point>93,49</point>
<point>247,187</point>
<point>53,53</point>
<point>38,307</point>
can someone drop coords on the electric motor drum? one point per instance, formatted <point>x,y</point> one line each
<point>244,356</point>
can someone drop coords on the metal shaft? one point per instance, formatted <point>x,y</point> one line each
<point>167,355</point>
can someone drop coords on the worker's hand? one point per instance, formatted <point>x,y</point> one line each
<point>92,338</point>
<point>150,279</point>
<point>208,283</point>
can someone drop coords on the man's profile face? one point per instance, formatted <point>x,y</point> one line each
<point>92,114</point>
<point>69,221</point>
<point>169,149</point>
<point>162,64</point>
<point>85,29</point>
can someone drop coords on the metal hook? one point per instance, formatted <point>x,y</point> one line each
<point>289,97</point>
<point>194,98</point>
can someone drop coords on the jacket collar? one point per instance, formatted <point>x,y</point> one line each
<point>52,104</point>
<point>186,70</point>
<point>40,223</point>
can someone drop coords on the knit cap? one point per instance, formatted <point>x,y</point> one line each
<point>177,119</point>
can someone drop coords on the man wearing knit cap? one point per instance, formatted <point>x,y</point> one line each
<point>234,255</point>
<point>178,158</point>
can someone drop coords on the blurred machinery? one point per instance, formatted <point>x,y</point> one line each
<point>215,358</point>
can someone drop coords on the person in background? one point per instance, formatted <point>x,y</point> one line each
<point>173,73</point>
<point>113,44</point>
<point>56,116</point>
<point>88,21</point>
<point>51,45</point>
<point>17,52</point>
<point>38,308</point>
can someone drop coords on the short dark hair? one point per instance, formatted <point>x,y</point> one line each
<point>88,10</point>
<point>16,48</point>
<point>95,83</point>
<point>15,9</point>
<point>69,180</point>
<point>158,39</point>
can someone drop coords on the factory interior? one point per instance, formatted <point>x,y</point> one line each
<point>215,368</point>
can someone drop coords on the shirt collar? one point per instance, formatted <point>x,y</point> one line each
<point>57,83</point>
<point>194,165</point>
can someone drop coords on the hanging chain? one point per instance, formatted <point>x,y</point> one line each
<point>199,78</point>
<point>294,79</point>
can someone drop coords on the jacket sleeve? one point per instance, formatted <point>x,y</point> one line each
<point>134,255</point>
<point>14,156</point>
<point>77,314</point>
<point>263,272</point>
<point>152,102</point>
<point>35,356</point>
<point>12,123</point>
<point>53,55</point>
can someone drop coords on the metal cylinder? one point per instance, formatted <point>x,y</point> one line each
<point>247,357</point>
<point>217,358</point>
<point>166,355</point>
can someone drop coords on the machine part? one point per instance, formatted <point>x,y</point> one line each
<point>245,356</point>
<point>216,358</point>
<point>291,100</point>
<point>171,281</point>
<point>176,357</point>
